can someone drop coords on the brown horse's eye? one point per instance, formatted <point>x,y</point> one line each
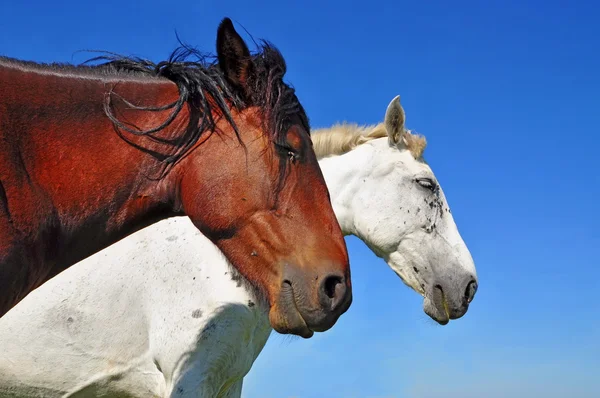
<point>287,151</point>
<point>293,156</point>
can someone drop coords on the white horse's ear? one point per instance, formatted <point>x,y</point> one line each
<point>394,122</point>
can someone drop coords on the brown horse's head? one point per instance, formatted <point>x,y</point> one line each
<point>265,203</point>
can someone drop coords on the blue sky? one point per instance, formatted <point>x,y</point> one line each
<point>507,93</point>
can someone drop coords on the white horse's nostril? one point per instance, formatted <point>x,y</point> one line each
<point>470,291</point>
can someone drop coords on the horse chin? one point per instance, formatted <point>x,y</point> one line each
<point>434,303</point>
<point>436,307</point>
<point>285,317</point>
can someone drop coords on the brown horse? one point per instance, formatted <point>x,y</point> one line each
<point>89,154</point>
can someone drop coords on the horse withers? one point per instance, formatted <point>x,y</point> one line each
<point>91,154</point>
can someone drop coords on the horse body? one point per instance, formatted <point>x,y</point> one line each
<point>194,328</point>
<point>89,155</point>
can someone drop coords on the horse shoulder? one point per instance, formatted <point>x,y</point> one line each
<point>209,327</point>
<point>221,351</point>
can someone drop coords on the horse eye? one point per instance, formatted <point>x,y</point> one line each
<point>288,151</point>
<point>426,183</point>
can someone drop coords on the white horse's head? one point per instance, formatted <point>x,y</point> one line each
<point>384,193</point>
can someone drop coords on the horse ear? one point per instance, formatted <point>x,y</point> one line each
<point>394,122</point>
<point>233,55</point>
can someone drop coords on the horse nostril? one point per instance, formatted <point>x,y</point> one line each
<point>333,291</point>
<point>470,291</point>
<point>330,284</point>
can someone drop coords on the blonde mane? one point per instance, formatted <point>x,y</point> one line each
<point>344,137</point>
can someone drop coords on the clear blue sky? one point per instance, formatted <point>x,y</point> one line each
<point>508,95</point>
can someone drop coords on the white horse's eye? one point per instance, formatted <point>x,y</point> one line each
<point>426,183</point>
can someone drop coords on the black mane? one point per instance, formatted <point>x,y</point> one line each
<point>199,79</point>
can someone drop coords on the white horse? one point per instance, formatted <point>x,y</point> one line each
<point>177,321</point>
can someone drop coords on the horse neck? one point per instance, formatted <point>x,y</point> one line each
<point>95,185</point>
<point>344,175</point>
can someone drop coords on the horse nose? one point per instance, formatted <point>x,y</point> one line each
<point>470,291</point>
<point>451,300</point>
<point>334,293</point>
